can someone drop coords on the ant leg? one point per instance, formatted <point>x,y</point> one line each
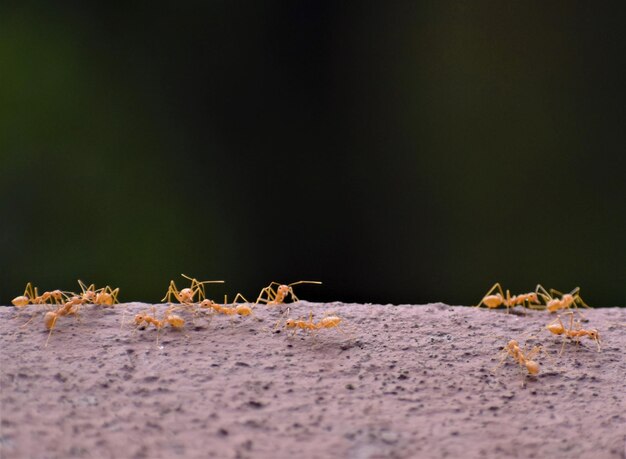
<point>543,293</point>
<point>340,328</point>
<point>578,299</point>
<point>199,289</point>
<point>28,291</point>
<point>575,291</point>
<point>283,316</point>
<point>171,291</point>
<point>505,353</point>
<point>566,332</point>
<point>260,297</point>
<point>535,307</point>
<point>123,317</point>
<point>508,302</point>
<point>271,296</point>
<point>240,296</point>
<point>313,332</point>
<point>210,314</point>
<point>50,333</point>
<point>29,320</point>
<point>270,292</point>
<point>114,294</point>
<point>84,288</point>
<point>554,292</point>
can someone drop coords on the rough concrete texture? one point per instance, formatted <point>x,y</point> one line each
<point>394,382</point>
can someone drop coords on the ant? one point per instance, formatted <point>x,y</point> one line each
<point>187,295</point>
<point>106,295</point>
<point>513,350</point>
<point>242,309</point>
<point>329,321</point>
<point>493,301</point>
<point>566,300</point>
<point>31,296</point>
<point>69,308</point>
<point>573,333</point>
<point>275,296</point>
<point>175,321</point>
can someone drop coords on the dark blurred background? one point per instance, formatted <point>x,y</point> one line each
<point>401,152</point>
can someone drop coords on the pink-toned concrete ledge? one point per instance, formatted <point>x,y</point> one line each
<point>401,382</point>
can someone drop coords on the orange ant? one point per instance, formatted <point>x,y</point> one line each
<point>107,296</point>
<point>187,295</point>
<point>275,296</point>
<point>242,309</point>
<point>513,350</point>
<point>31,296</point>
<point>566,300</point>
<point>329,321</point>
<point>493,301</point>
<point>175,321</point>
<point>68,308</point>
<point>573,333</point>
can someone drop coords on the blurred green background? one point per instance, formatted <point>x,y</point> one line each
<point>401,152</point>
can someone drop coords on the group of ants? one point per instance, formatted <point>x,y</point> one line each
<point>193,300</point>
<point>552,301</point>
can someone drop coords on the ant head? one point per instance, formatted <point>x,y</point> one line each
<point>290,323</point>
<point>513,343</point>
<point>284,289</point>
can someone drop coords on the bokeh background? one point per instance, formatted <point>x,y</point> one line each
<point>401,152</point>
